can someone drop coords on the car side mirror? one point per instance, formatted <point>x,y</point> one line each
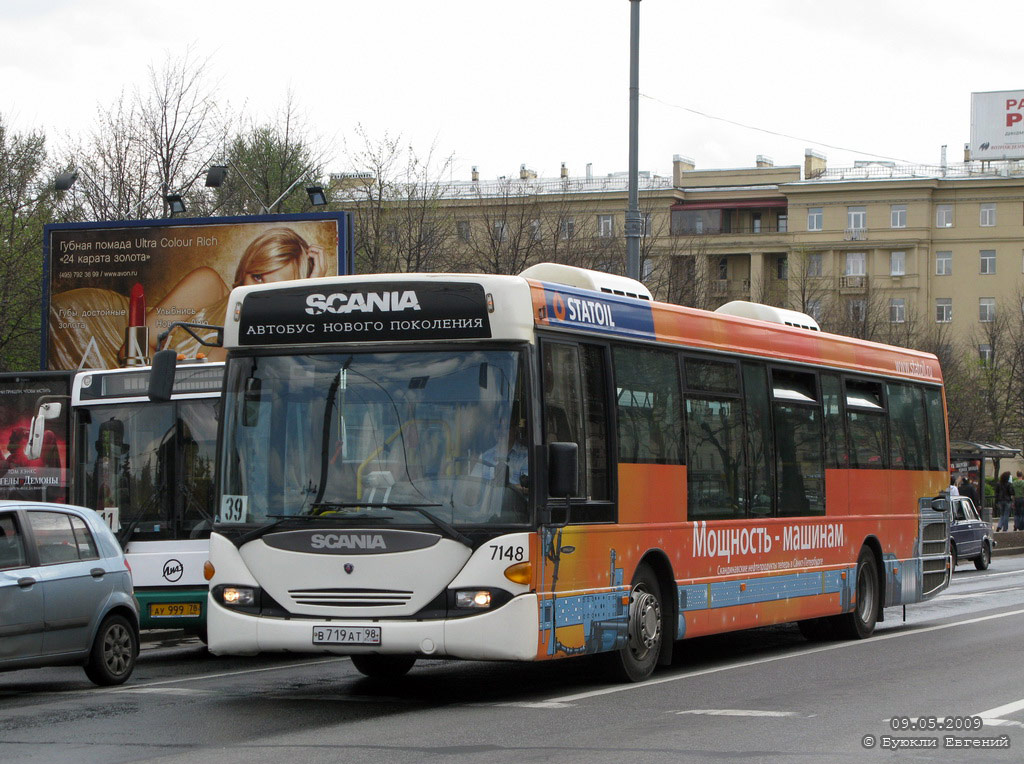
<point>46,412</point>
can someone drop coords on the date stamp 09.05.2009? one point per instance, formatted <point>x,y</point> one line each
<point>958,732</point>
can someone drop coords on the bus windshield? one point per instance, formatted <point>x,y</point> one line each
<point>149,468</point>
<point>399,438</point>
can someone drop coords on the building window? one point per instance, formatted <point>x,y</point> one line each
<point>944,216</point>
<point>988,214</point>
<point>646,270</point>
<point>499,230</point>
<point>814,265</point>
<point>815,219</point>
<point>897,263</point>
<point>462,229</point>
<point>855,264</point>
<point>782,267</point>
<point>898,215</point>
<point>987,309</point>
<point>646,221</point>
<point>858,311</point>
<point>783,222</point>
<point>755,222</point>
<point>985,354</point>
<point>535,229</point>
<point>897,310</point>
<point>943,310</point>
<point>988,262</point>
<point>567,228</point>
<point>723,269</point>
<point>813,309</point>
<point>604,226</point>
<point>856,217</point>
<point>943,263</point>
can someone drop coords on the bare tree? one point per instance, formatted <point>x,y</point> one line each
<point>147,144</point>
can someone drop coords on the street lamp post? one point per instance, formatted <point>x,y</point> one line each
<point>634,221</point>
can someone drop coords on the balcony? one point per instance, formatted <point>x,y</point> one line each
<point>856,234</point>
<point>853,284</point>
<point>730,288</point>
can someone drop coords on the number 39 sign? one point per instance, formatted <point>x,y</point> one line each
<point>233,509</point>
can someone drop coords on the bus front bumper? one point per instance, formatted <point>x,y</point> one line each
<point>510,632</point>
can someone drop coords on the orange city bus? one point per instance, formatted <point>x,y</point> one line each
<point>552,464</point>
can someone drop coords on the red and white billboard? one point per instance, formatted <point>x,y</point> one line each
<point>997,124</point>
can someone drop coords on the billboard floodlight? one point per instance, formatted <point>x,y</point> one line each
<point>317,197</point>
<point>174,201</point>
<point>65,180</point>
<point>216,176</point>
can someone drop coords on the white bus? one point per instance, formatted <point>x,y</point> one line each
<point>547,465</point>
<point>148,469</point>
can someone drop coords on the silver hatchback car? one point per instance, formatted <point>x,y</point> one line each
<point>65,592</point>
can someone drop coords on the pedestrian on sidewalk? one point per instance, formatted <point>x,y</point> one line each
<point>1004,501</point>
<point>1018,502</point>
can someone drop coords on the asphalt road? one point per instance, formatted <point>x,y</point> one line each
<point>764,695</point>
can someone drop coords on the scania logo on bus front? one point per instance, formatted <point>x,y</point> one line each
<point>347,541</point>
<point>362,302</point>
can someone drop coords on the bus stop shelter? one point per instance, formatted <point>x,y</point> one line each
<point>971,451</point>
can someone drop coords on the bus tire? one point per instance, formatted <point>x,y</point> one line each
<point>636,661</point>
<point>383,666</point>
<point>859,623</point>
<point>114,650</point>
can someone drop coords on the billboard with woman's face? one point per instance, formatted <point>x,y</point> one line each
<point>111,289</point>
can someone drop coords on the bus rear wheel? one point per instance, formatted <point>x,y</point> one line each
<point>383,666</point>
<point>860,622</point>
<point>636,661</point>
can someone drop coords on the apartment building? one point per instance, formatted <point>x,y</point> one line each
<point>897,246</point>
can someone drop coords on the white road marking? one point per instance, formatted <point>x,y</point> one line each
<point>737,712</point>
<point>759,661</point>
<point>992,719</point>
<point>202,677</point>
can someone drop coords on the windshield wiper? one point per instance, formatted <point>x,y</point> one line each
<point>278,521</point>
<point>449,530</point>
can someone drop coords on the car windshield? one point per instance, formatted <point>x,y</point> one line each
<point>402,438</point>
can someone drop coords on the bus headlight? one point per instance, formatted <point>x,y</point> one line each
<point>479,600</point>
<point>236,597</point>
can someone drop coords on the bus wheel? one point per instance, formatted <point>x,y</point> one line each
<point>636,661</point>
<point>859,623</point>
<point>383,666</point>
<point>113,652</point>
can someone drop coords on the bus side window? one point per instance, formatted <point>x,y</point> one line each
<point>576,411</point>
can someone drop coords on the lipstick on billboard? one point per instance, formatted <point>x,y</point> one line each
<point>136,335</point>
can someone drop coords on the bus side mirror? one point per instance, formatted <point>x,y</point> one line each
<point>563,470</point>
<point>46,412</point>
<point>161,375</point>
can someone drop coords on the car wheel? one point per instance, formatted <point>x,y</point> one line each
<point>983,560</point>
<point>112,657</point>
<point>952,556</point>
<point>383,666</point>
<point>636,661</point>
<point>860,622</point>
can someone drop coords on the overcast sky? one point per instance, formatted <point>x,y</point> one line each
<point>540,82</point>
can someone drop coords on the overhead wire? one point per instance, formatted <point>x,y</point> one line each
<point>773,132</point>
